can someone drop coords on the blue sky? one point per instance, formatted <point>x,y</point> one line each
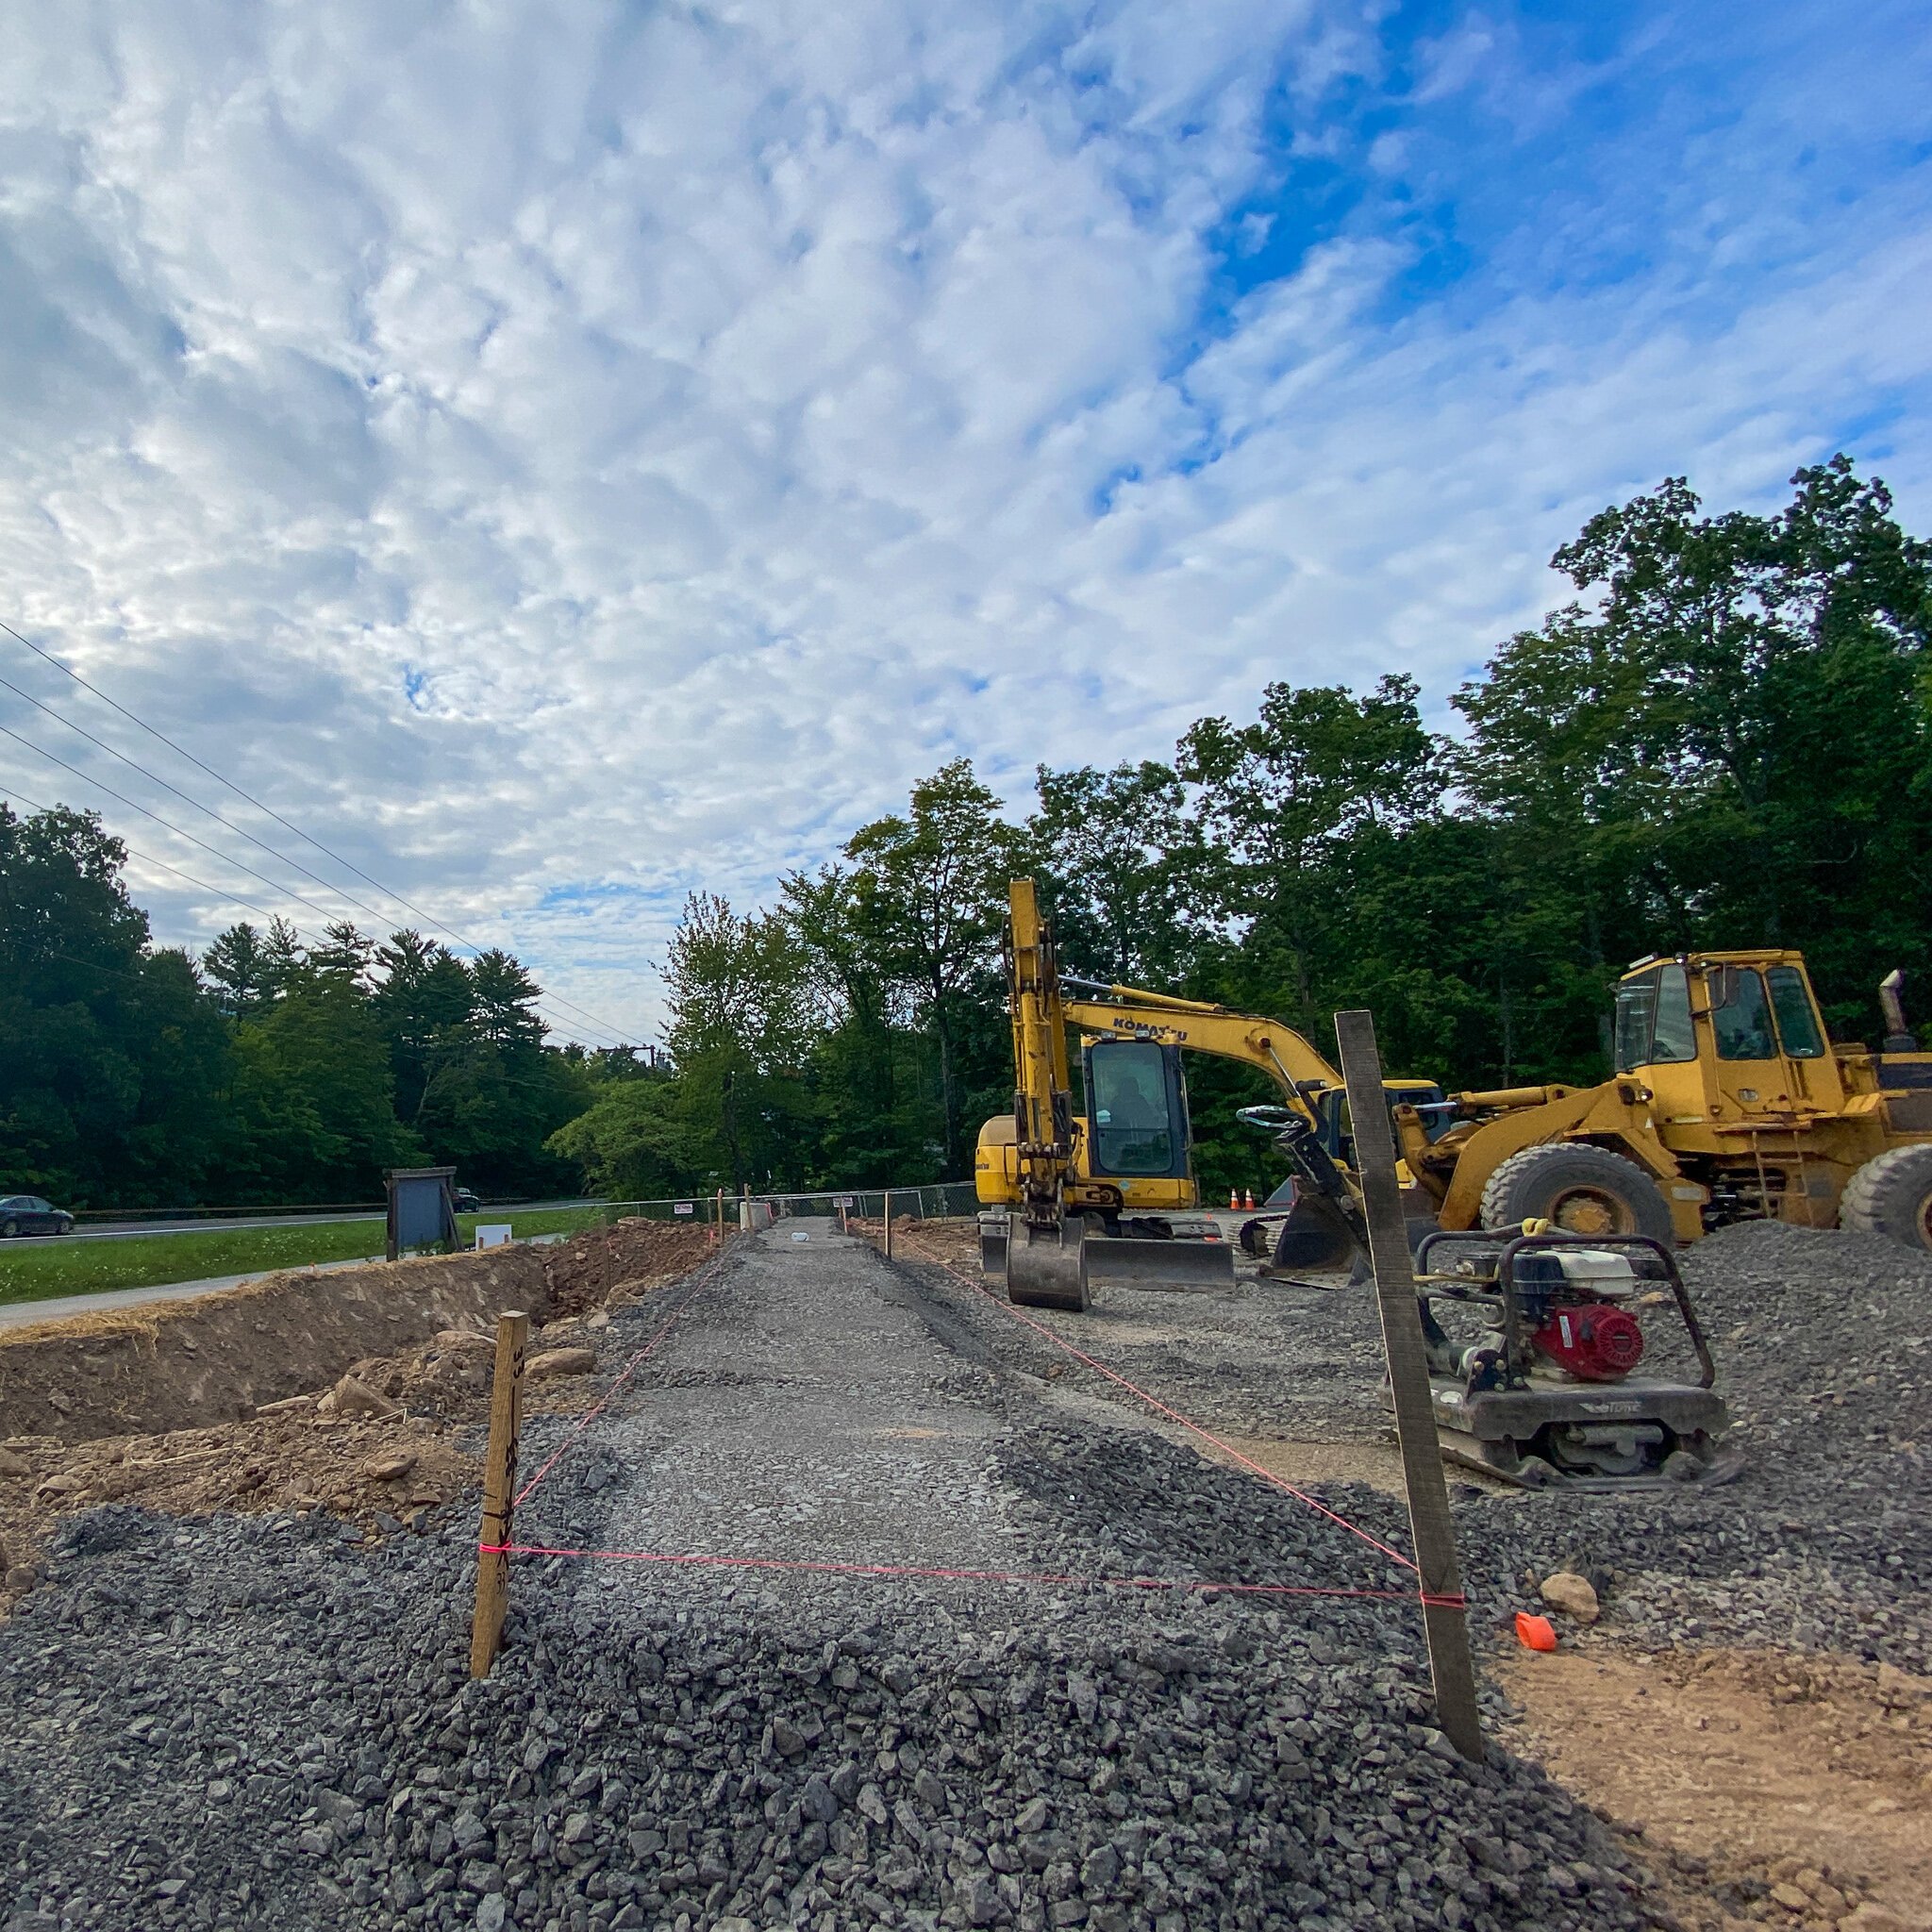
<point>565,454</point>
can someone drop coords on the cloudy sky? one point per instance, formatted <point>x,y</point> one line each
<point>562,456</point>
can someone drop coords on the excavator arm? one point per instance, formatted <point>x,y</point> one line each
<point>1124,1012</point>
<point>1047,1256</point>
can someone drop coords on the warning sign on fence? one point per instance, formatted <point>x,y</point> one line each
<point>847,1201</point>
<point>683,1207</point>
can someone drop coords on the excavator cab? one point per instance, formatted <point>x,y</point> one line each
<point>1137,1110</point>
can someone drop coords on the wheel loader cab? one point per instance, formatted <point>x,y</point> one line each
<point>1722,1038</point>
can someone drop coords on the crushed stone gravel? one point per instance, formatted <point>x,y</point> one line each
<point>261,1723</point>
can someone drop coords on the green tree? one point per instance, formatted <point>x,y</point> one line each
<point>1729,745</point>
<point>1116,856</point>
<point>111,1054</point>
<point>634,1142</point>
<point>743,1022</point>
<point>938,879</point>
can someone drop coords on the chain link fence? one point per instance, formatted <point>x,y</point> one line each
<point>933,1201</point>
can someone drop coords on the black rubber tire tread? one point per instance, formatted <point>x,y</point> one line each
<point>1888,1195</point>
<point>1521,1187</point>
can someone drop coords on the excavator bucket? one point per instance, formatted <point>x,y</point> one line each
<point>1130,1262</point>
<point>1313,1235</point>
<point>1046,1268</point>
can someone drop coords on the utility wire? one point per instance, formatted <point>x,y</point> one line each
<point>148,858</point>
<point>155,778</point>
<point>166,826</point>
<point>180,751</point>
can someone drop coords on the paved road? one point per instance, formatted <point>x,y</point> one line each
<point>57,1307</point>
<point>117,1230</point>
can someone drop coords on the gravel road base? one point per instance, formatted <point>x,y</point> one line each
<point>264,1723</point>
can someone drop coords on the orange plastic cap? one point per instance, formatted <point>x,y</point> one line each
<point>1535,1633</point>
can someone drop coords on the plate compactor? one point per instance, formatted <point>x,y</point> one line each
<point>1540,1382</point>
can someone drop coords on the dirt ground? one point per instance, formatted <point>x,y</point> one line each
<point>1810,1780</point>
<point>381,1454</point>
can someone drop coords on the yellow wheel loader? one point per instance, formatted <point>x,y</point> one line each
<point>1728,1104</point>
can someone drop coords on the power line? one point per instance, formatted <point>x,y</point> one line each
<point>181,751</point>
<point>148,858</point>
<point>155,778</point>
<point>135,765</point>
<point>166,826</point>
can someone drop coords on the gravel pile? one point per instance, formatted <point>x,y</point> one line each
<point>1824,1342</point>
<point>1823,1345</point>
<point>261,1723</point>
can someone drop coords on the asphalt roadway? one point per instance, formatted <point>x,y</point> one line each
<point>188,1223</point>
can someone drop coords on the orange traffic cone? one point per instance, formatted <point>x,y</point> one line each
<point>1234,1199</point>
<point>1248,1199</point>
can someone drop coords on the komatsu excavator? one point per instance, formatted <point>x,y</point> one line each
<point>1064,1193</point>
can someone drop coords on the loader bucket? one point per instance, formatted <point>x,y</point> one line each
<point>1046,1268</point>
<point>1155,1264</point>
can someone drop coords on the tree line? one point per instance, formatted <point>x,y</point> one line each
<point>1723,740</point>
<point>267,1071</point>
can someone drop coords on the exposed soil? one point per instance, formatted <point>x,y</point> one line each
<point>1762,1770</point>
<point>303,1452</point>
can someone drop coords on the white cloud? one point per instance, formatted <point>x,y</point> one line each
<point>715,417</point>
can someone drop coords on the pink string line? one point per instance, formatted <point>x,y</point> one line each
<point>630,1368</point>
<point>1046,1579</point>
<point>1247,1462</point>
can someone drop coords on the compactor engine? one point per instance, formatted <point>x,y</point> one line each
<point>1547,1390</point>
<point>1576,1301</point>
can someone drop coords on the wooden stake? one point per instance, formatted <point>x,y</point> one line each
<point>889,1223</point>
<point>499,1489</point>
<point>1444,1623</point>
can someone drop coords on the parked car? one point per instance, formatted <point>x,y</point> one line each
<point>466,1201</point>
<point>29,1214</point>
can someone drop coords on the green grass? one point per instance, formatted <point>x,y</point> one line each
<point>38,1269</point>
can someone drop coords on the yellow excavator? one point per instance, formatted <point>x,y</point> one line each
<point>1064,1193</point>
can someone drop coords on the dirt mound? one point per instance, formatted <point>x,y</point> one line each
<point>217,1358</point>
<point>593,1269</point>
<point>369,1436</point>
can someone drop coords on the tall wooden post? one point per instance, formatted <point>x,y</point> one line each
<point>499,1489</point>
<point>889,1223</point>
<point>1444,1623</point>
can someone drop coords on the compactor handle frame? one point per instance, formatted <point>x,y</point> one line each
<point>1454,1288</point>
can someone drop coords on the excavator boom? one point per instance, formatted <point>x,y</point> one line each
<point>1047,1255</point>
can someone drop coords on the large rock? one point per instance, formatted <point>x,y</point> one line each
<point>355,1398</point>
<point>1572,1596</point>
<point>560,1361</point>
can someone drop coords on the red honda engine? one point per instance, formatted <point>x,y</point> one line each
<point>1592,1340</point>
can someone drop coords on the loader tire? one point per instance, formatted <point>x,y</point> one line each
<point>1892,1195</point>
<point>1579,1188</point>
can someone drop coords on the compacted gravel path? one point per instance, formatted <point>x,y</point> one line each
<point>264,1723</point>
